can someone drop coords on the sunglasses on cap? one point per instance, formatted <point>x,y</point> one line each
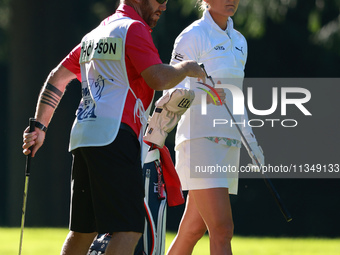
<point>161,1</point>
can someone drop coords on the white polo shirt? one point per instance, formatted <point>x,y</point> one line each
<point>224,55</point>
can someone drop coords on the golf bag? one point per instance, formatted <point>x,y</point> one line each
<point>152,241</point>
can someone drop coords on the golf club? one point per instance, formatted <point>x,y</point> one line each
<point>27,175</point>
<point>267,181</point>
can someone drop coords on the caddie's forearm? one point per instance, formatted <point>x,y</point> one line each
<point>51,93</point>
<point>177,73</point>
<point>48,101</point>
<point>182,70</point>
<point>163,76</point>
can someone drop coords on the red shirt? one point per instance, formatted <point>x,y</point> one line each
<point>140,53</point>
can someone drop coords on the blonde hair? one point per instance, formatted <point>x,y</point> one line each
<point>202,5</point>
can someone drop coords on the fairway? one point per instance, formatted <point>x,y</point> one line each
<point>42,241</point>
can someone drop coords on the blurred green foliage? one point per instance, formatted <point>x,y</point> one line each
<point>4,24</point>
<point>319,19</point>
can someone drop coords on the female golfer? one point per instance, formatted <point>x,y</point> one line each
<point>207,154</point>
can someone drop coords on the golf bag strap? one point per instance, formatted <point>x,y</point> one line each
<point>152,227</point>
<point>152,156</point>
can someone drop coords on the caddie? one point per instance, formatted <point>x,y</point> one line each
<point>120,69</point>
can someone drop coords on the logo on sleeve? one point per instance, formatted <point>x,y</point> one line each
<point>178,56</point>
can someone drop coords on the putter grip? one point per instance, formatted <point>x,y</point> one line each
<point>202,66</point>
<point>31,124</point>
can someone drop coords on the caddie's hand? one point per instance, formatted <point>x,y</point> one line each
<point>258,152</point>
<point>194,70</point>
<point>35,139</point>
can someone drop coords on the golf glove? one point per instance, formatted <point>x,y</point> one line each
<point>168,111</point>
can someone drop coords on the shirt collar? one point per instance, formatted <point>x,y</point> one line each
<point>207,18</point>
<point>128,11</point>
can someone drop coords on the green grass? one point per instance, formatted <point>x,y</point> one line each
<point>36,241</point>
<point>42,241</point>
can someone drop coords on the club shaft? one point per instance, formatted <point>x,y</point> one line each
<point>23,213</point>
<point>266,179</point>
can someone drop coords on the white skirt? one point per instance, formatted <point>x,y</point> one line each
<point>203,164</point>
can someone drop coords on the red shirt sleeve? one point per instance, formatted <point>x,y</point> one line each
<point>140,48</point>
<point>71,61</point>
